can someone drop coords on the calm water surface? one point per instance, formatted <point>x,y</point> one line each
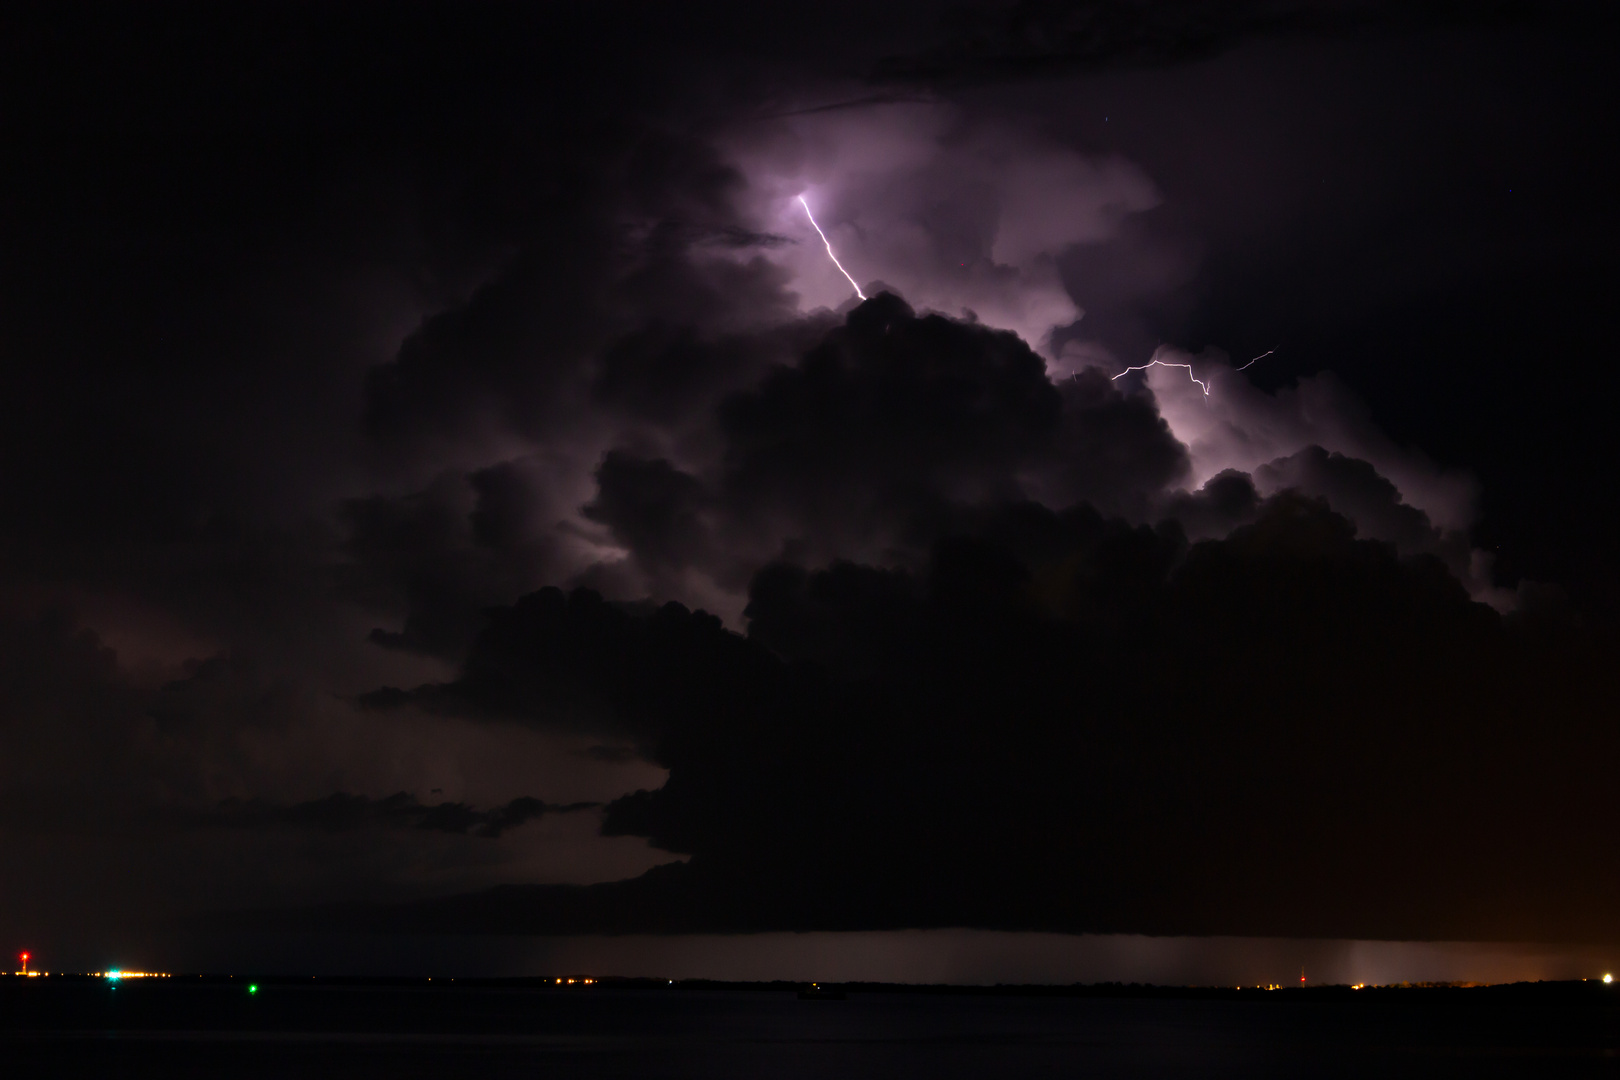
<point>318,1031</point>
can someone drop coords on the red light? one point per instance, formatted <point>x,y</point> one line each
<point>25,958</point>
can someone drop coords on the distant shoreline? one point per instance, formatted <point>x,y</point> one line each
<point>1589,991</point>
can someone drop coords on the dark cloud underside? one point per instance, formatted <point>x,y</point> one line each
<point>1084,726</point>
<point>341,812</point>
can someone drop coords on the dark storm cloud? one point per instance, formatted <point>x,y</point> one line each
<point>1114,450</point>
<point>887,414</point>
<point>1429,248</point>
<point>64,710</point>
<point>510,358</point>
<point>1227,500</point>
<point>664,372</point>
<point>1072,723</point>
<point>85,740</point>
<point>653,509</point>
<point>442,553</point>
<point>1034,38</point>
<point>877,434</point>
<point>616,319</point>
<point>220,225</point>
<point>330,332</point>
<point>1355,489</point>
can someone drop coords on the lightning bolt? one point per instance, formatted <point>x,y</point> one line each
<point>1202,385</point>
<point>827,242</point>
<point>1256,360</point>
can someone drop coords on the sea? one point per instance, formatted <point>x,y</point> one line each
<point>234,1029</point>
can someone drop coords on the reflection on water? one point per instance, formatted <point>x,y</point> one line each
<point>325,1030</point>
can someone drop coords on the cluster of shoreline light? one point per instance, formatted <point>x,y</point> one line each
<point>113,975</point>
<point>120,975</point>
<point>1607,980</point>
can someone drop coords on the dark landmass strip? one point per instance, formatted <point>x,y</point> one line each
<point>1584,991</point>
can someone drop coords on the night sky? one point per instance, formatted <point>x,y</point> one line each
<point>446,486</point>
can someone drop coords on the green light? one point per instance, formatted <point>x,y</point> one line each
<point>253,988</point>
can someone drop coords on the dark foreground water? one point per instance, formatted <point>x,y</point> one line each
<point>289,1030</point>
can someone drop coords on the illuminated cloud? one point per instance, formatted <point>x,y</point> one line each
<point>1238,426</point>
<point>956,213</point>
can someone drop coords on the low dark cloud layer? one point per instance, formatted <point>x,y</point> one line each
<point>1067,722</point>
<point>341,812</point>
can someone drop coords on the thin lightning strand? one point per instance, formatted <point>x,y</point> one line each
<point>1204,386</point>
<point>830,254</point>
<point>1256,360</point>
